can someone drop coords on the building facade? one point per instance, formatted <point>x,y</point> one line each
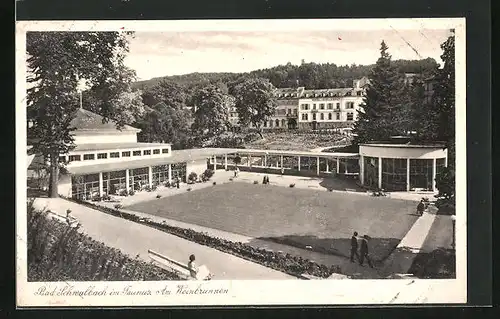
<point>317,109</point>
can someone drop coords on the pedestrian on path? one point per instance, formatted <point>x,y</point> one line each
<point>421,208</point>
<point>354,246</point>
<point>177,182</point>
<point>193,270</point>
<point>364,252</point>
<point>282,171</point>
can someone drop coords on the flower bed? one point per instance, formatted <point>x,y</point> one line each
<point>438,264</point>
<point>57,252</point>
<point>292,265</point>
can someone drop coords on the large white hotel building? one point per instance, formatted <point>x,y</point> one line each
<point>301,108</point>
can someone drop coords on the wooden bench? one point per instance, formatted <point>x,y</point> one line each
<point>181,269</point>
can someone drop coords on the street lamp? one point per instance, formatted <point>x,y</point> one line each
<point>453,219</point>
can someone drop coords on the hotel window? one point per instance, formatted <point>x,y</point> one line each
<point>147,152</point>
<point>337,116</point>
<point>265,123</point>
<point>304,117</point>
<point>329,116</point>
<point>348,93</point>
<point>322,106</point>
<point>349,105</point>
<point>102,155</point>
<point>295,111</point>
<point>114,154</point>
<point>321,116</point>
<point>338,106</point>
<point>164,151</point>
<point>156,151</point>
<point>314,116</point>
<point>62,159</point>
<point>330,106</point>
<point>136,153</point>
<point>359,93</point>
<point>314,106</point>
<point>74,158</point>
<point>350,116</point>
<point>88,157</point>
<point>126,154</point>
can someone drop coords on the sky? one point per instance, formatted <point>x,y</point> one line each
<point>156,54</point>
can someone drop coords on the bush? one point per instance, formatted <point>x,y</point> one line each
<point>192,177</point>
<point>118,206</point>
<point>147,188</point>
<point>208,173</point>
<point>214,183</point>
<point>189,189</point>
<point>256,182</point>
<point>445,183</point>
<point>123,192</point>
<point>131,192</point>
<point>154,187</point>
<point>158,196</point>
<point>230,179</point>
<point>292,185</point>
<point>57,252</point>
<point>293,265</point>
<point>167,184</point>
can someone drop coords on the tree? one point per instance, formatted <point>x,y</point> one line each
<point>165,124</point>
<point>443,99</point>
<point>254,101</point>
<point>212,111</point>
<point>445,183</point>
<point>168,92</point>
<point>58,62</point>
<point>378,119</point>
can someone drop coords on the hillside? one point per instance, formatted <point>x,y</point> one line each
<point>310,75</point>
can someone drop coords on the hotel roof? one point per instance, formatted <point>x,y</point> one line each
<point>115,146</point>
<point>89,121</point>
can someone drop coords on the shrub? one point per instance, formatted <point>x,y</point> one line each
<point>167,184</point>
<point>230,179</point>
<point>208,173</point>
<point>147,188</point>
<point>154,187</point>
<point>158,196</point>
<point>118,206</point>
<point>292,185</point>
<point>189,189</point>
<point>192,177</point>
<point>123,192</point>
<point>131,192</point>
<point>256,182</point>
<point>214,183</point>
<point>57,252</point>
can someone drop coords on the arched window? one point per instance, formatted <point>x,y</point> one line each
<point>277,123</point>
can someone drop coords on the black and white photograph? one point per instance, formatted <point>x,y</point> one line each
<point>239,162</point>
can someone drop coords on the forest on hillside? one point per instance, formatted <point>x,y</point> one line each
<point>310,75</point>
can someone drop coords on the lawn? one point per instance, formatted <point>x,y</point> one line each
<point>299,217</point>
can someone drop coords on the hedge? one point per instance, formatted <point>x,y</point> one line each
<point>292,265</point>
<point>57,252</point>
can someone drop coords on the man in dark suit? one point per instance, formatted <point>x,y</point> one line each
<point>354,246</point>
<point>364,252</point>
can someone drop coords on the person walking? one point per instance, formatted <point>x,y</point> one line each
<point>177,182</point>
<point>354,246</point>
<point>421,208</point>
<point>193,270</point>
<point>364,252</point>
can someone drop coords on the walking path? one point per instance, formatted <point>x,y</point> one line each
<point>134,239</point>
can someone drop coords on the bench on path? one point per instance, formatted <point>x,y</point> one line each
<point>180,268</point>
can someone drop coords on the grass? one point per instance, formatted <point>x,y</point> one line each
<point>298,217</point>
<point>296,142</point>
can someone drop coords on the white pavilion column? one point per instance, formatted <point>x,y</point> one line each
<point>380,172</point>
<point>170,173</point>
<point>150,176</point>
<point>101,188</point>
<point>281,159</point>
<point>127,179</point>
<point>299,163</point>
<point>338,165</point>
<point>317,165</point>
<point>215,163</point>
<point>265,160</point>
<point>408,174</point>
<point>361,170</point>
<point>327,165</point>
<point>249,160</point>
<point>225,162</point>
<point>434,174</point>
